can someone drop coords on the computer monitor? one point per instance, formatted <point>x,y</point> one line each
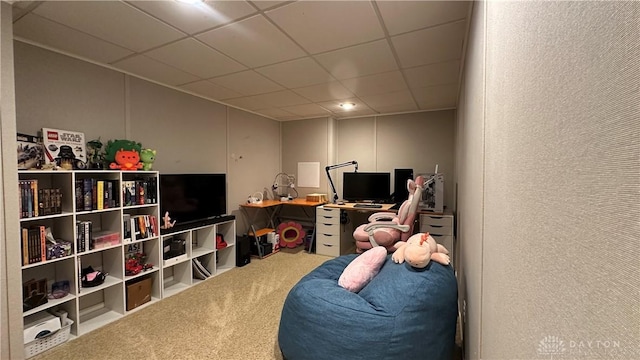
<point>401,193</point>
<point>366,187</point>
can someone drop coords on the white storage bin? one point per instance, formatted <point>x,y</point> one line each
<point>43,344</point>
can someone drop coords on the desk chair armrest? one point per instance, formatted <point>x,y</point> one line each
<point>385,225</point>
<point>382,215</point>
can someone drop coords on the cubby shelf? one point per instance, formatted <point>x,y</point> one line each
<point>93,307</point>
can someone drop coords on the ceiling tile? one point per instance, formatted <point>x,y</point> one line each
<point>432,45</point>
<point>281,99</point>
<point>307,110</point>
<point>391,102</point>
<point>113,21</point>
<point>372,58</point>
<point>334,106</point>
<point>376,84</point>
<point>249,103</point>
<point>193,18</point>
<point>414,15</point>
<point>210,90</point>
<point>267,4</point>
<point>54,35</point>
<point>361,112</point>
<point>296,73</point>
<point>253,42</point>
<point>324,92</point>
<point>247,83</point>
<point>436,97</point>
<point>435,74</point>
<point>277,113</point>
<point>318,27</point>
<point>267,101</point>
<point>196,58</point>
<point>153,70</point>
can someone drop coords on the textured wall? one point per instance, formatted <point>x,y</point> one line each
<point>470,176</point>
<point>560,255</point>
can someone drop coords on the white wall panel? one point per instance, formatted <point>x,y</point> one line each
<point>418,141</point>
<point>471,174</point>
<point>60,92</point>
<point>189,133</point>
<point>562,187</point>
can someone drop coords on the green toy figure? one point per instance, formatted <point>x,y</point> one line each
<point>147,156</point>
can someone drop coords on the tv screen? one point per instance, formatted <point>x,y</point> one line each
<point>192,197</point>
<point>366,186</point>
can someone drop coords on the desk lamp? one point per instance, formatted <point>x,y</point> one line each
<point>331,167</point>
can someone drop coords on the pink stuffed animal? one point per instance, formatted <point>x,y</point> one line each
<point>419,250</point>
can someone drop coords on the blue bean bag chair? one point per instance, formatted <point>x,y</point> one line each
<point>403,313</point>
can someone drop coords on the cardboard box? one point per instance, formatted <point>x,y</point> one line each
<point>64,148</point>
<point>317,197</point>
<point>30,154</point>
<point>138,293</point>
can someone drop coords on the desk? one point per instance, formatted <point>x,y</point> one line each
<point>335,233</point>
<point>350,207</point>
<point>272,209</point>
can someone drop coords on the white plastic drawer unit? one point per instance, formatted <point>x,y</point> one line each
<point>326,219</point>
<point>327,231</point>
<point>436,224</point>
<point>328,245</point>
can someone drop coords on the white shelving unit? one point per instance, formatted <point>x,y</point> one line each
<point>93,307</point>
<point>200,243</point>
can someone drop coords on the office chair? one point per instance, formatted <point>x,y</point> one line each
<point>385,228</point>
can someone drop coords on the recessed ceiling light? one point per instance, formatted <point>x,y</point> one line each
<point>347,106</point>
<point>189,1</point>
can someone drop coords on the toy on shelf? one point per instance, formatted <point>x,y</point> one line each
<point>419,250</point>
<point>166,221</point>
<point>94,154</point>
<point>113,146</point>
<point>126,160</point>
<point>147,156</point>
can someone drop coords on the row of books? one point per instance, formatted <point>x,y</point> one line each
<point>96,194</point>
<point>38,247</point>
<point>35,201</point>
<point>139,192</point>
<point>138,227</point>
<point>88,239</point>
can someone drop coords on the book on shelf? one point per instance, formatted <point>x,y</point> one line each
<point>34,244</point>
<point>126,225</point>
<point>28,192</point>
<point>64,148</point>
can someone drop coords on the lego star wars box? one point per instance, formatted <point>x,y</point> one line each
<point>30,154</point>
<point>64,148</point>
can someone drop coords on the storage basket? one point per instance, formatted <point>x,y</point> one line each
<point>43,344</point>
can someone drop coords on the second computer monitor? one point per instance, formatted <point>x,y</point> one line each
<point>366,187</point>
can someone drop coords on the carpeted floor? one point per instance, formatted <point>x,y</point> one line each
<point>232,316</point>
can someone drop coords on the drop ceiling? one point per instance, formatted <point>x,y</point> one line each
<point>285,60</point>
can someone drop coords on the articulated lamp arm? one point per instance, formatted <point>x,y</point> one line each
<point>331,167</point>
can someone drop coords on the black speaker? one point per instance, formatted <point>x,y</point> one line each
<point>243,250</point>
<point>400,177</point>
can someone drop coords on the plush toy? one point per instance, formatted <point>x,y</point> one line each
<point>126,160</point>
<point>167,223</point>
<point>113,146</point>
<point>147,156</point>
<point>419,250</point>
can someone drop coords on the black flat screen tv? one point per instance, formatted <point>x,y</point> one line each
<point>366,187</point>
<point>191,199</point>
